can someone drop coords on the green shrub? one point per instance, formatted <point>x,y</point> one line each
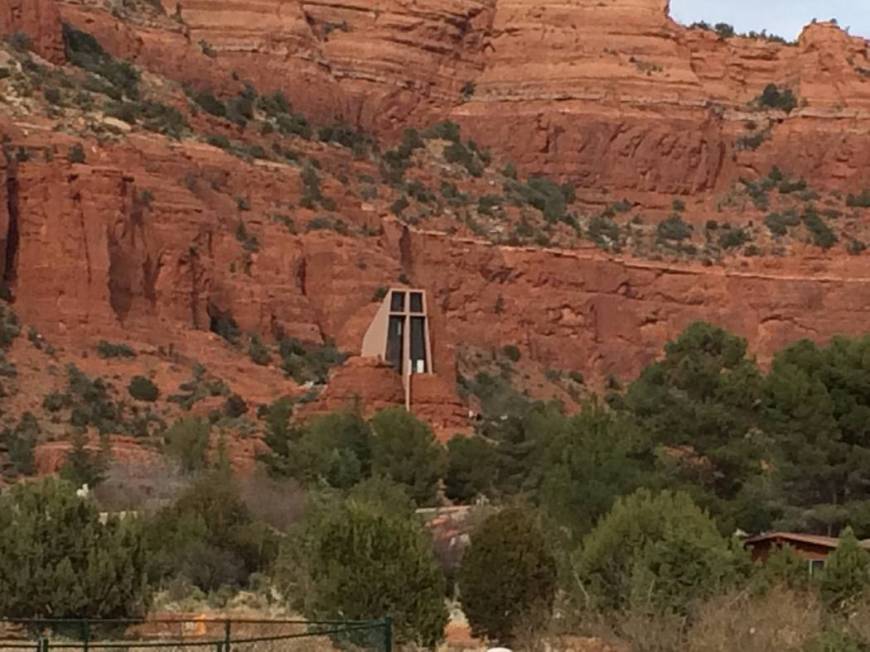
<point>52,95</point>
<point>187,441</point>
<point>655,551</point>
<point>248,240</point>
<point>393,570</point>
<point>822,234</point>
<point>788,186</point>
<point>856,247</point>
<point>846,574</point>
<point>459,154</point>
<point>235,406</point>
<point>143,389</point>
<point>724,30</point>
<point>603,231</point>
<point>209,537</point>
<point>398,207</point>
<point>153,116</point>
<point>733,238</point>
<point>404,450</point>
<point>778,223</point>
<point>752,141</point>
<point>420,192</point>
<point>542,193</point>
<point>861,200</point>
<point>84,51</point>
<point>20,443</point>
<point>83,466</point>
<point>306,362</point>
<point>108,350</point>
<point>511,352</point>
<point>62,568</point>
<point>259,352</point>
<point>222,323</point>
<point>471,469</point>
<point>76,154</point>
<point>774,98</point>
<point>207,101</point>
<point>19,41</point>
<point>10,328</point>
<point>446,130</point>
<point>673,229</point>
<point>508,576</point>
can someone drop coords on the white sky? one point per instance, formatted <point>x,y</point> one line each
<point>783,17</point>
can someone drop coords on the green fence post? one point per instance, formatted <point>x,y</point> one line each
<point>227,630</point>
<point>45,644</point>
<point>86,635</point>
<point>388,634</point>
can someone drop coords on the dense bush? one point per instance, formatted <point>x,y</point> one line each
<point>114,350</point>
<point>673,229</point>
<point>733,238</point>
<point>471,469</point>
<point>359,560</point>
<point>59,559</point>
<point>821,233</point>
<point>84,51</point>
<point>497,603</point>
<point>774,98</point>
<point>308,362</point>
<point>143,389</point>
<point>779,223</point>
<point>405,451</point>
<point>542,193</point>
<point>209,537</point>
<point>861,200</point>
<point>187,441</point>
<point>657,551</point>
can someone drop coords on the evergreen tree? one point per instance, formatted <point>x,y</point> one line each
<point>847,572</point>
<point>703,397</point>
<point>358,560</point>
<point>471,468</point>
<point>83,466</point>
<point>58,560</point>
<point>655,551</point>
<point>404,450</point>
<point>508,576</point>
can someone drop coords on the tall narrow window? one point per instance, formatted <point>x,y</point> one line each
<point>397,302</point>
<point>395,342</point>
<point>419,361</point>
<point>416,302</point>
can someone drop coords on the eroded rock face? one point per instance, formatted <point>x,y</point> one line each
<point>39,21</point>
<point>613,96</point>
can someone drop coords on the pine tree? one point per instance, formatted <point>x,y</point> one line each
<point>847,572</point>
<point>83,466</point>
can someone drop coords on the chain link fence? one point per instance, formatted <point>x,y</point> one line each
<point>195,635</point>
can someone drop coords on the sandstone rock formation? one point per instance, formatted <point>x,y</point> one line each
<point>141,240</point>
<point>38,21</point>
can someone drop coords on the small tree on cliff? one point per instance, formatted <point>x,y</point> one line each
<point>508,576</point>
<point>58,560</point>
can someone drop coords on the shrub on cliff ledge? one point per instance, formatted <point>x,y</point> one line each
<point>673,229</point>
<point>142,389</point>
<point>774,98</point>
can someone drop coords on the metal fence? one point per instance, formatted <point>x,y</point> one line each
<point>195,635</point>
